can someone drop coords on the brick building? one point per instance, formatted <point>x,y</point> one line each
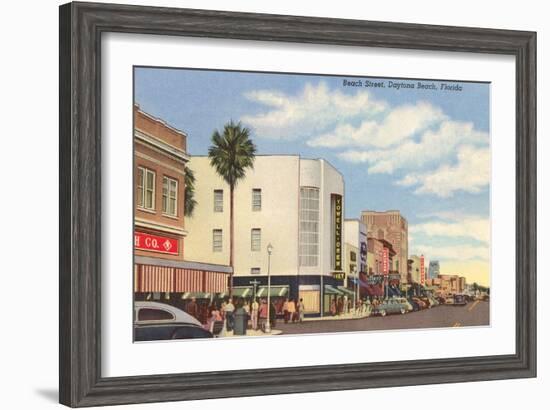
<point>392,227</point>
<point>160,268</point>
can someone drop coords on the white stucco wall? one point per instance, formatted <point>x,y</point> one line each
<point>277,177</point>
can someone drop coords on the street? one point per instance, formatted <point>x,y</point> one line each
<point>473,314</point>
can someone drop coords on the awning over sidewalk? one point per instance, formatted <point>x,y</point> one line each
<point>331,290</point>
<point>275,291</point>
<point>242,292</point>
<point>346,291</point>
<point>197,295</point>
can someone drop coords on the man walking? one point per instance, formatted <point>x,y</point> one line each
<point>229,309</point>
<point>254,314</point>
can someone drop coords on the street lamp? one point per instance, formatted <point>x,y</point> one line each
<point>268,322</point>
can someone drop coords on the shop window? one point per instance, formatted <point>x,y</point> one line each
<point>169,196</point>
<point>255,271</point>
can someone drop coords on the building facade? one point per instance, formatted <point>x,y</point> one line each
<point>160,234</point>
<point>392,227</point>
<point>433,270</point>
<point>415,268</point>
<point>292,203</point>
<point>356,254</point>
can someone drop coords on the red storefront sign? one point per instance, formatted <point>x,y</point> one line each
<point>422,271</point>
<point>386,261</point>
<point>155,243</point>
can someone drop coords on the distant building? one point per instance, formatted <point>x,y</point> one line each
<point>356,250</point>
<point>433,270</point>
<point>390,226</point>
<point>415,268</point>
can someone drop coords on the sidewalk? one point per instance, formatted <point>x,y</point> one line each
<point>345,316</point>
<point>250,332</point>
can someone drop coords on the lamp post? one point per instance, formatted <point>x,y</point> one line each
<point>268,322</point>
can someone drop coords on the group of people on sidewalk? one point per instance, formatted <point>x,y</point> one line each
<point>226,311</point>
<point>293,310</point>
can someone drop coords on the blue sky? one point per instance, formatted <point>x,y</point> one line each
<point>422,151</point>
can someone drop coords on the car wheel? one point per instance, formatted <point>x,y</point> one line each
<point>402,311</point>
<point>382,313</point>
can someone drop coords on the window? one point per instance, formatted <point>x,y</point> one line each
<point>255,271</point>
<point>169,196</point>
<point>146,188</point>
<point>217,240</point>
<point>256,239</point>
<point>154,314</point>
<point>256,199</point>
<point>309,226</point>
<point>218,200</point>
<point>352,256</point>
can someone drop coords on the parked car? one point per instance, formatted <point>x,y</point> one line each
<point>156,312</point>
<point>155,321</point>
<point>421,304</point>
<point>450,300</point>
<point>405,302</point>
<point>169,331</point>
<point>414,305</point>
<point>441,300</point>
<point>390,306</point>
<point>427,301</point>
<point>460,300</point>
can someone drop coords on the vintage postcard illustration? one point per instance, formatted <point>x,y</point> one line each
<point>269,204</point>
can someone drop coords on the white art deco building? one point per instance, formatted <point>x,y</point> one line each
<point>292,203</point>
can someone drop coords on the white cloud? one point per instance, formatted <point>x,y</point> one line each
<point>434,146</point>
<point>453,252</point>
<point>473,227</point>
<point>313,110</point>
<point>398,124</point>
<point>471,174</point>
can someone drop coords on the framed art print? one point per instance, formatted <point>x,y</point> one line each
<point>356,197</point>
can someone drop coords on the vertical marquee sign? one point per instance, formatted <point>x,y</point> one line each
<point>337,201</point>
<point>386,261</point>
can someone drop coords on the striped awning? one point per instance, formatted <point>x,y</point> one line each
<point>152,278</point>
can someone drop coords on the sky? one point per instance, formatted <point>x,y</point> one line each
<point>424,151</point>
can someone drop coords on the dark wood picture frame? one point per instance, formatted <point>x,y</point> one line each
<point>81,27</point>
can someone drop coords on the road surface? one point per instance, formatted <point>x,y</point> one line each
<point>473,314</point>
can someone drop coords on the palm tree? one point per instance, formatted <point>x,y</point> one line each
<point>231,153</point>
<point>189,202</point>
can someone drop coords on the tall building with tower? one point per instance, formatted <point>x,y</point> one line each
<point>392,227</point>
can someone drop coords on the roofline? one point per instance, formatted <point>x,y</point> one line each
<point>161,121</point>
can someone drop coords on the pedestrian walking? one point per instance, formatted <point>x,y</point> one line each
<point>292,311</point>
<point>229,318</point>
<point>254,313</point>
<point>301,310</point>
<point>192,308</point>
<point>333,307</point>
<point>273,315</point>
<point>285,310</point>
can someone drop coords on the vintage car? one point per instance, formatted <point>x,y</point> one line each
<point>460,300</point>
<point>421,304</point>
<point>155,321</point>
<point>390,306</point>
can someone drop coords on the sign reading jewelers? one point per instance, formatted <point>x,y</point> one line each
<point>385,261</point>
<point>155,243</point>
<point>337,200</point>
